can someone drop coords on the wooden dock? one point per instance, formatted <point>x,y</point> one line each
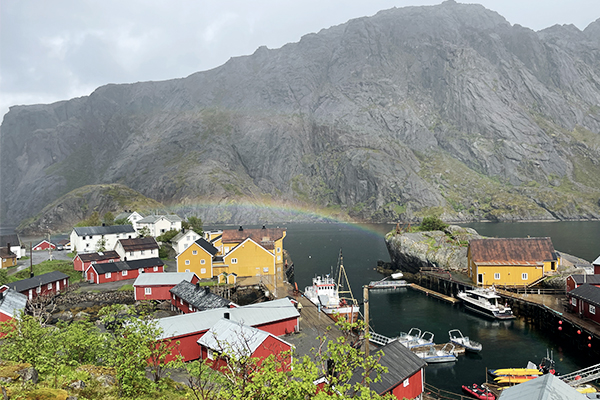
<point>437,295</point>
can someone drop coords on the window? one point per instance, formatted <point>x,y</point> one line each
<point>124,273</point>
<point>148,290</point>
<point>87,245</point>
<point>234,260</point>
<point>278,258</point>
<point>203,270</point>
<point>524,276</point>
<point>187,262</point>
<point>140,270</point>
<point>180,301</point>
<point>266,269</point>
<point>141,252</point>
<point>209,354</point>
<point>38,289</point>
<point>279,249</point>
<point>574,301</point>
<point>194,252</point>
<point>592,309</point>
<point>203,262</point>
<point>405,383</point>
<point>187,270</point>
<point>226,249</point>
<point>156,269</point>
<point>187,237</point>
<point>107,275</point>
<point>131,253</point>
<point>49,286</point>
<point>497,275</point>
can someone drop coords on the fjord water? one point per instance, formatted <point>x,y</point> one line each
<point>314,249</point>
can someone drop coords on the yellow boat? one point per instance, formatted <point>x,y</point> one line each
<point>513,379</point>
<point>586,389</point>
<point>515,371</point>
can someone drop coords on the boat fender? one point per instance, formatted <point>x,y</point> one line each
<point>552,371</point>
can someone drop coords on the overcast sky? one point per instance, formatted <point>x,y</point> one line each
<point>56,50</point>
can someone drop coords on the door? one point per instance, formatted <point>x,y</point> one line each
<point>480,278</point>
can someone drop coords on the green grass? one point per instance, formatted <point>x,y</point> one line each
<point>49,266</point>
<point>126,288</point>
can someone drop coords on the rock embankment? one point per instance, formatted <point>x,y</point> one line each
<point>411,251</point>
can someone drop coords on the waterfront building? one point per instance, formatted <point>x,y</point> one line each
<point>157,286</point>
<point>514,262</point>
<point>585,301</point>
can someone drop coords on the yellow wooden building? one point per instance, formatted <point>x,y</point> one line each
<point>511,262</point>
<point>198,258</point>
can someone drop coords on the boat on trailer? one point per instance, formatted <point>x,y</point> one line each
<point>485,302</point>
<point>457,337</point>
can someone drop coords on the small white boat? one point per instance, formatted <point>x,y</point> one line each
<point>430,355</point>
<point>397,275</point>
<point>457,337</point>
<point>413,334</point>
<point>414,338</point>
<point>485,302</point>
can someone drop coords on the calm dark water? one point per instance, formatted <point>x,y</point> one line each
<point>314,249</point>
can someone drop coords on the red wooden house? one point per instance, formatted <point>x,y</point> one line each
<point>41,285</point>
<point>585,301</point>
<point>122,270</point>
<point>44,245</point>
<point>272,316</point>
<point>574,281</point>
<point>157,286</point>
<point>227,339</point>
<point>187,297</point>
<point>83,261</point>
<point>405,378</point>
<point>11,302</point>
<point>596,265</point>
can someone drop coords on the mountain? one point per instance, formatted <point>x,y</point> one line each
<point>445,109</point>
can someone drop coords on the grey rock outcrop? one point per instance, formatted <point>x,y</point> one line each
<point>444,107</point>
<point>411,251</point>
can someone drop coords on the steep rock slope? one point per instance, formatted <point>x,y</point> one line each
<point>445,109</point>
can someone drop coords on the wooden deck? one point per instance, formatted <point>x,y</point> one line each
<point>435,294</point>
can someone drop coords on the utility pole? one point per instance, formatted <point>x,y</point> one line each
<point>366,303</point>
<point>31,259</point>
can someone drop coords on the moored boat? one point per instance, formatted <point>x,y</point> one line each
<point>514,372</point>
<point>397,275</point>
<point>457,337</point>
<point>385,284</point>
<point>325,294</point>
<point>485,302</point>
<point>431,355</point>
<point>478,392</point>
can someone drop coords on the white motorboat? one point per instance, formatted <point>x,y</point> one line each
<point>414,338</point>
<point>325,294</point>
<point>432,355</point>
<point>457,337</point>
<point>485,302</point>
<point>386,284</point>
<point>397,275</point>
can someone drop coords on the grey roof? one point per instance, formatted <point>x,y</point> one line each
<point>11,302</point>
<point>198,297</point>
<point>580,279</point>
<point>163,278</point>
<point>36,281</point>
<point>587,292</point>
<point>107,255</point>
<point>546,387</point>
<point>181,235</point>
<point>13,239</point>
<point>127,265</point>
<point>150,219</point>
<point>252,315</point>
<point>233,338</point>
<point>103,230</point>
<point>401,364</point>
<point>206,245</point>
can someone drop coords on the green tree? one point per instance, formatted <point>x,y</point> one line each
<point>108,218</point>
<point>167,236</point>
<point>101,245</point>
<point>144,231</point>
<point>81,342</point>
<point>123,221</point>
<point>432,223</point>
<point>3,277</point>
<point>195,224</point>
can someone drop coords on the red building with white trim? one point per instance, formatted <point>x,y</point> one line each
<point>187,297</point>
<point>122,270</point>
<point>574,281</point>
<point>42,285</point>
<point>44,245</point>
<point>585,301</point>
<point>81,262</point>
<point>157,286</point>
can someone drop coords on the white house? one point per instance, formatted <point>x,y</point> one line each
<point>14,242</point>
<point>88,239</point>
<point>137,248</point>
<point>183,240</point>
<point>132,217</point>
<point>159,224</point>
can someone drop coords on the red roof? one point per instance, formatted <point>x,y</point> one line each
<point>516,251</point>
<point>265,237</point>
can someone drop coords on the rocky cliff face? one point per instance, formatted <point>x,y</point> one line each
<point>446,109</point>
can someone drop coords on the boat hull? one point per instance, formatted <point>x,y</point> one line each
<point>349,313</point>
<point>468,347</point>
<point>487,312</point>
<point>478,392</point>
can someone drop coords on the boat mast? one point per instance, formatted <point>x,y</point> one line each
<point>343,279</point>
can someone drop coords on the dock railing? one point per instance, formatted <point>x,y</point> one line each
<point>582,376</point>
<point>378,339</point>
<point>431,392</point>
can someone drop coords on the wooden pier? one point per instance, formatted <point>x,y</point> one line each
<point>435,294</point>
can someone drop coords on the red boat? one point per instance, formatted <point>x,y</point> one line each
<point>478,392</point>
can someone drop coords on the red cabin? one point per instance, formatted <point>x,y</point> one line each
<point>574,281</point>
<point>83,261</point>
<point>187,297</point>
<point>585,301</point>
<point>157,286</point>
<point>122,270</point>
<point>41,285</point>
<point>44,245</point>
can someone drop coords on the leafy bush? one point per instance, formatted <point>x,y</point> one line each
<point>432,224</point>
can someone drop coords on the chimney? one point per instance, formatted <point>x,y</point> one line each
<point>103,224</point>
<point>241,229</point>
<point>197,285</point>
<point>226,315</point>
<point>264,227</point>
<point>206,289</point>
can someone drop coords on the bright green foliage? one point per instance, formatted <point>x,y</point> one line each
<point>93,220</point>
<point>81,342</point>
<point>144,232</point>
<point>101,245</point>
<point>432,223</point>
<point>195,224</point>
<point>167,236</point>
<point>123,221</point>
<point>3,277</point>
<point>163,251</point>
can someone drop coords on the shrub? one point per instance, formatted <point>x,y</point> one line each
<point>432,224</point>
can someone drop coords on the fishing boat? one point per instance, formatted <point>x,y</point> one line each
<point>432,355</point>
<point>457,337</point>
<point>327,294</point>
<point>479,392</point>
<point>387,284</point>
<point>485,302</point>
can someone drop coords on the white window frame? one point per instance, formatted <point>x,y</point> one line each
<point>266,269</point>
<point>202,262</point>
<point>406,382</point>
<point>234,260</point>
<point>209,354</point>
<point>124,273</point>
<point>226,249</point>
<point>49,286</point>
<point>187,270</point>
<point>147,290</point>
<point>524,276</point>
<point>38,289</point>
<point>497,275</point>
<point>592,309</point>
<point>155,268</point>
<point>187,262</point>
<point>279,249</point>
<point>203,270</point>
<point>194,252</point>
<point>573,301</point>
<point>107,275</point>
